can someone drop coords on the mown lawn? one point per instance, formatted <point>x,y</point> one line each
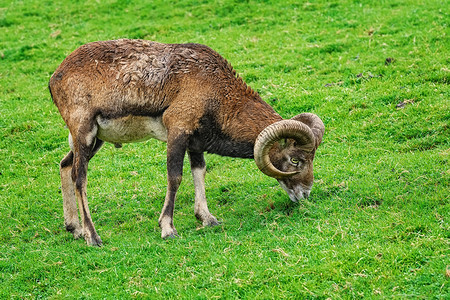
<point>376,224</point>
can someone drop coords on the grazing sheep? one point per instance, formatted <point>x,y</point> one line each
<point>187,95</point>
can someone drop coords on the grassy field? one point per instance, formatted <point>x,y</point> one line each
<point>376,224</point>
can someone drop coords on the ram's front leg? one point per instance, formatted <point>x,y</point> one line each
<point>176,149</point>
<point>198,168</point>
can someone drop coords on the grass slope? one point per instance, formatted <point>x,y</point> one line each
<point>376,224</point>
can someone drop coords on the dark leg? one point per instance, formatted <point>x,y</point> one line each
<point>176,149</point>
<point>97,145</point>
<point>198,168</point>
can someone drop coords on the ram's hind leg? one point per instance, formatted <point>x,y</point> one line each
<point>71,220</point>
<point>85,144</point>
<point>198,168</point>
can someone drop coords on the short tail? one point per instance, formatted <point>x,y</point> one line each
<point>50,90</point>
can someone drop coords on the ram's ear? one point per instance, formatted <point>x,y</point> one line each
<point>313,122</point>
<point>283,143</point>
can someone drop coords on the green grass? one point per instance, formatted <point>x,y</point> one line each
<point>376,224</point>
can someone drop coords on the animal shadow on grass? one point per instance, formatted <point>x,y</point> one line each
<point>289,208</point>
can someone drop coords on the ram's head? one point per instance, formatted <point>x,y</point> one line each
<point>285,151</point>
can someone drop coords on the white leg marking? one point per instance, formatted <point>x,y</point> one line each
<point>91,136</point>
<point>71,220</point>
<point>201,206</point>
<point>70,142</point>
<point>167,228</point>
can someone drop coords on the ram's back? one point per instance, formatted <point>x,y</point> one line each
<point>136,76</point>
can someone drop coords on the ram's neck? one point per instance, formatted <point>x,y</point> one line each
<point>232,129</point>
<point>245,121</point>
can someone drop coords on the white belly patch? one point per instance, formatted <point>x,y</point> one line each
<point>131,129</point>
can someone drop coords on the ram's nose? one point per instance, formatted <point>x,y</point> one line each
<point>301,193</point>
<point>296,193</point>
<point>306,193</point>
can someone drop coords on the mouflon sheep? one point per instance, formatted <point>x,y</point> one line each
<point>187,95</point>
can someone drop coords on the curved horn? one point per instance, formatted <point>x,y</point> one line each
<point>315,123</point>
<point>292,129</point>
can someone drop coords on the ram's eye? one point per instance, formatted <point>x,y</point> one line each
<point>295,161</point>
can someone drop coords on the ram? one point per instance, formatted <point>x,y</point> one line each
<point>187,95</point>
